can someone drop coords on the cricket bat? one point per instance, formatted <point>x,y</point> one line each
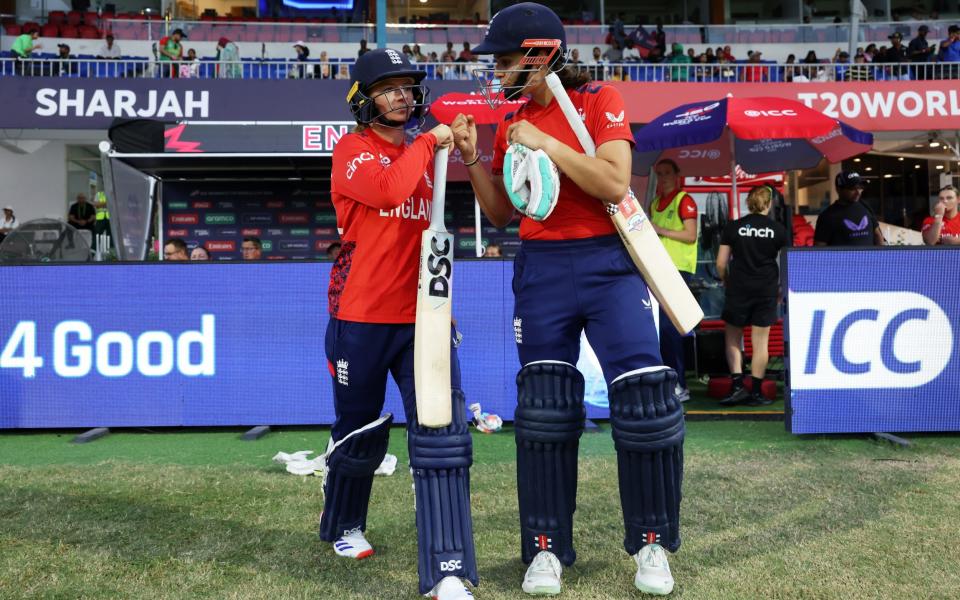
<point>431,344</point>
<point>641,241</point>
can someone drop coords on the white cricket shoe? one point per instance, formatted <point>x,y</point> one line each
<point>352,544</point>
<point>653,571</point>
<point>543,575</point>
<point>450,588</point>
<point>682,394</point>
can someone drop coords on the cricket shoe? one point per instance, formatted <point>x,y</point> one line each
<point>682,394</point>
<point>739,396</point>
<point>450,588</point>
<point>352,544</point>
<point>543,575</point>
<point>759,400</point>
<point>653,571</point>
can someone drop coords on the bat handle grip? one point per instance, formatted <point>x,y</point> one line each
<point>439,189</point>
<point>579,129</point>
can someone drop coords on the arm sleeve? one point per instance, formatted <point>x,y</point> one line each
<point>359,174</point>
<point>927,224</point>
<point>688,208</point>
<point>607,118</point>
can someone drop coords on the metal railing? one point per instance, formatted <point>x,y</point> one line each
<point>639,72</point>
<point>397,34</point>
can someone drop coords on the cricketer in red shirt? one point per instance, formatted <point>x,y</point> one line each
<point>383,194</point>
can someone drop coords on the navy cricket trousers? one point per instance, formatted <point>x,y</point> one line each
<point>359,357</point>
<point>567,286</point>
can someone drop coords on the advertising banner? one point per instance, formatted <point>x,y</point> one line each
<point>215,344</point>
<point>293,219</point>
<point>873,344</point>
<point>74,103</point>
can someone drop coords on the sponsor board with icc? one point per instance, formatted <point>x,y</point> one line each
<point>873,340</point>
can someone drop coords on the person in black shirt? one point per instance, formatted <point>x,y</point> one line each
<point>82,214</point>
<point>920,51</point>
<point>848,222</point>
<point>747,262</point>
<point>897,53</point>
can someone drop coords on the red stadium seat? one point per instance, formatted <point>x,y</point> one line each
<point>91,19</point>
<point>69,31</point>
<point>12,29</point>
<point>57,17</point>
<point>30,26</point>
<point>74,18</point>
<point>49,31</point>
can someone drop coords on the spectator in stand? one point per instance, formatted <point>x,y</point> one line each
<point>848,222</point>
<point>678,57</point>
<point>729,54</point>
<point>631,54</point>
<point>190,67</point>
<point>897,53</point>
<point>23,47</point>
<point>921,51</point>
<point>618,32</point>
<point>175,249</point>
<point>711,57</point>
<point>363,48</point>
<point>434,58</point>
<point>949,52</point>
<point>809,10</point>
<point>82,214</point>
<point>871,53</point>
<point>492,251</point>
<point>419,55</point>
<point>790,71</point>
<point>595,65</point>
<point>618,74</point>
<point>228,59</point>
<point>574,58</point>
<point>860,70</point>
<point>199,253</point>
<point>754,73</point>
<point>752,284</point>
<point>614,53</point>
<point>251,248</point>
<point>170,53</point>
<point>302,69</point>
<point>109,49</point>
<point>944,226</point>
<point>9,221</point>
<point>465,54</point>
<point>324,70</point>
<point>449,55</point>
<point>812,72</point>
<point>408,52</point>
<point>62,66</point>
<point>660,40</point>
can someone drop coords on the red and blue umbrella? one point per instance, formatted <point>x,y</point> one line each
<point>762,135</point>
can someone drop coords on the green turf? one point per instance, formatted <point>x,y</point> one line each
<point>203,514</point>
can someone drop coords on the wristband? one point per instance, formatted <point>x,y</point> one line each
<point>472,162</point>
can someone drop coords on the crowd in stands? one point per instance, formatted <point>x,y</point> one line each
<point>618,59</point>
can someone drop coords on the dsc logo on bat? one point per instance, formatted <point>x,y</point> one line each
<point>439,267</point>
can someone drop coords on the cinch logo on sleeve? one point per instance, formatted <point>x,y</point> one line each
<point>356,162</point>
<point>867,340</point>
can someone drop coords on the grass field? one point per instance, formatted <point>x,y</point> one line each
<point>203,514</point>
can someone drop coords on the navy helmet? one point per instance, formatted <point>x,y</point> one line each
<point>514,24</point>
<point>375,66</point>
